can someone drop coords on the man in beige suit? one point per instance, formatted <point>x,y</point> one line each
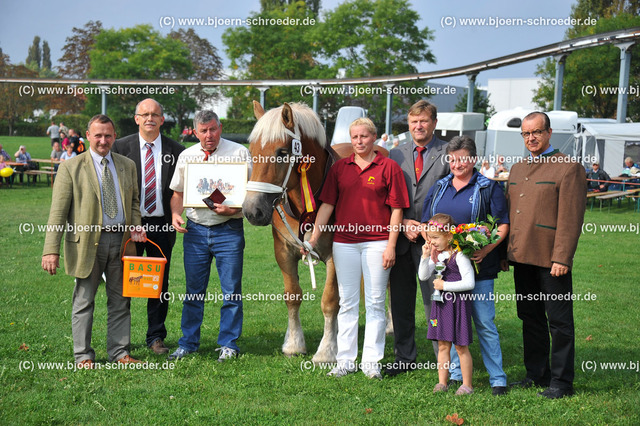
<point>95,200</point>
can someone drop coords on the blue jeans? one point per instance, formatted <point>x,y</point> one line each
<point>225,242</point>
<point>483,313</point>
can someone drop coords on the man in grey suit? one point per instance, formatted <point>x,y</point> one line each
<point>423,162</point>
<point>95,200</point>
<point>155,156</point>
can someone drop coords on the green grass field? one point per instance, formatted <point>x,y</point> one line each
<point>263,386</point>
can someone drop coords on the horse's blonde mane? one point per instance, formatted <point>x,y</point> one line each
<point>270,127</point>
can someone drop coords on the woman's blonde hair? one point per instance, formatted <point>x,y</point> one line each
<point>366,122</point>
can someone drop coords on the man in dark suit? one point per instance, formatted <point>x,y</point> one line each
<point>155,156</point>
<point>95,200</point>
<point>423,162</point>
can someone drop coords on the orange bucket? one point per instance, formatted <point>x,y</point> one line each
<point>142,276</point>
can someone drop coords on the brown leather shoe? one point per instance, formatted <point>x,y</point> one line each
<point>85,364</point>
<point>159,347</point>
<point>127,359</point>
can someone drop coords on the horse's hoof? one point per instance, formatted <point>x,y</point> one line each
<point>291,355</point>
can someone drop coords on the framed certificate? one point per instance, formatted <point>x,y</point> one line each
<point>201,179</point>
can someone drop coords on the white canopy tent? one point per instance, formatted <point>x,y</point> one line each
<point>609,143</point>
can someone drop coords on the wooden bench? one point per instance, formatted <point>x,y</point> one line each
<point>50,174</point>
<point>616,195</point>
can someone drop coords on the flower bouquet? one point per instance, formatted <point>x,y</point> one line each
<point>470,237</point>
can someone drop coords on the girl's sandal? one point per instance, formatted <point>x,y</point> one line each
<point>440,388</point>
<point>464,390</point>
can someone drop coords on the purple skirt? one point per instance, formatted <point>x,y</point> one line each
<point>450,319</point>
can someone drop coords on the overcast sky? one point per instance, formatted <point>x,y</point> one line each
<point>455,46</point>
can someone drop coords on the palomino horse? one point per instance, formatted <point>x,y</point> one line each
<point>281,140</point>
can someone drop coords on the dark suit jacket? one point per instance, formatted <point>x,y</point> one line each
<point>435,167</point>
<point>77,202</point>
<point>129,146</point>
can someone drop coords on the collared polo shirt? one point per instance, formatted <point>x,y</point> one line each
<point>363,198</point>
<point>457,203</point>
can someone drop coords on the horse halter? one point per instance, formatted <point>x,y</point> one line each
<point>269,188</point>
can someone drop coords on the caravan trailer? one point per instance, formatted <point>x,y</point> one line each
<point>503,134</point>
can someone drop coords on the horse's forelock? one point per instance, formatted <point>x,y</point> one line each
<point>270,128</point>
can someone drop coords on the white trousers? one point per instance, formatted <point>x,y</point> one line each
<point>353,261</point>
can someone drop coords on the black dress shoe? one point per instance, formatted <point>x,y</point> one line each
<point>498,390</point>
<point>398,367</point>
<point>556,393</point>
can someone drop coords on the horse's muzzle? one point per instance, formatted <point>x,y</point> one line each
<point>258,207</point>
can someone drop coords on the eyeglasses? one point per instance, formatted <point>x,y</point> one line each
<point>535,133</point>
<point>149,115</point>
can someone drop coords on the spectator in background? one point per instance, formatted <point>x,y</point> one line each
<point>184,134</point>
<point>57,152</point>
<point>500,167</point>
<point>487,170</point>
<point>3,154</point>
<point>396,142</point>
<point>630,168</point>
<point>597,174</point>
<point>68,154</point>
<point>64,141</point>
<point>22,156</point>
<point>384,139</point>
<point>63,129</point>
<point>54,132</point>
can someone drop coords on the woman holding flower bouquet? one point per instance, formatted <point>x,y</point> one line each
<point>470,197</point>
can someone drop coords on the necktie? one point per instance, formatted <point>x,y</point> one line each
<point>149,180</point>
<point>207,154</point>
<point>109,202</point>
<point>419,161</point>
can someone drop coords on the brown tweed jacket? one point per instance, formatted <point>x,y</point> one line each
<point>547,198</point>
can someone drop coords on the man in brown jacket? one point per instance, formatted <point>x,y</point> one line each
<point>547,197</point>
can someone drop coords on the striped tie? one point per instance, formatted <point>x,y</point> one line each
<point>109,202</point>
<point>149,180</point>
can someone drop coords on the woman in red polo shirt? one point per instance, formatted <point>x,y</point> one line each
<point>368,192</point>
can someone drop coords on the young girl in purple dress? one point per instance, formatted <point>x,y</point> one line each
<point>450,320</point>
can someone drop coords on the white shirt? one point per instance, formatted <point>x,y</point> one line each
<point>226,152</point>
<point>467,281</point>
<point>490,172</point>
<point>157,161</point>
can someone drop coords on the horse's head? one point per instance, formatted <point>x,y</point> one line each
<point>281,137</point>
